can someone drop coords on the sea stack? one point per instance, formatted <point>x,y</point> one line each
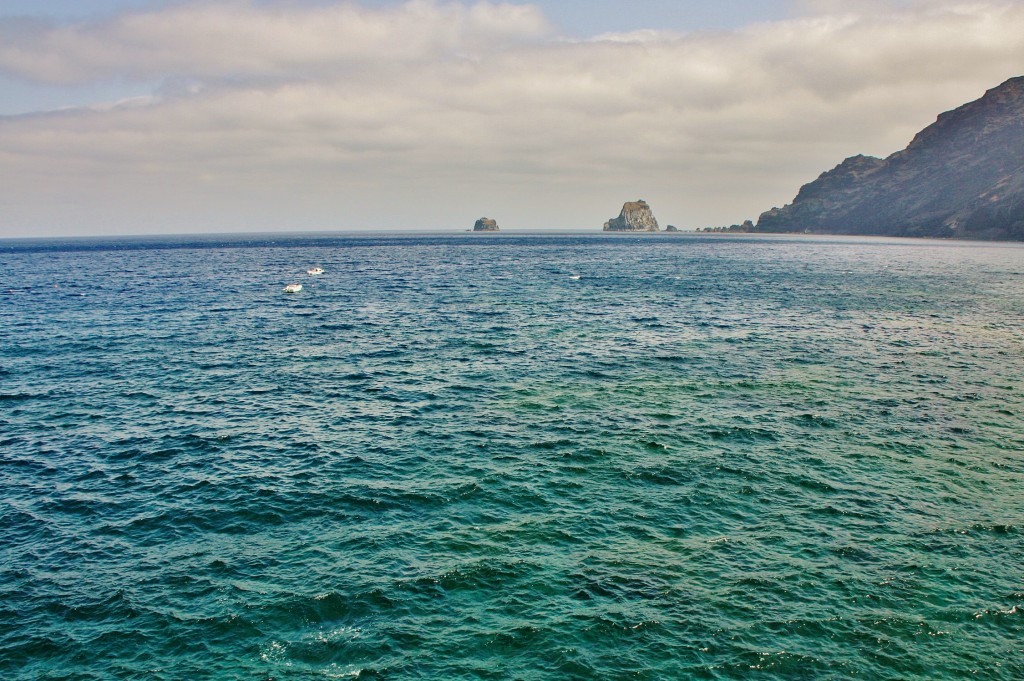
<point>485,225</point>
<point>636,216</point>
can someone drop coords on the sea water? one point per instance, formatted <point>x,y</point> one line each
<point>511,456</point>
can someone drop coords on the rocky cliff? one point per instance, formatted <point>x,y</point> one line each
<point>635,216</point>
<point>961,177</point>
<point>485,225</point>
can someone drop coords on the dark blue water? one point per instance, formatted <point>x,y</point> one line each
<point>511,457</point>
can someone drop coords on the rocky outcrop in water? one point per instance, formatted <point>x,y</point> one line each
<point>636,216</point>
<point>485,225</point>
<point>961,177</point>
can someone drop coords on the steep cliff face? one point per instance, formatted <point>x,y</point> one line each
<point>635,216</point>
<point>961,177</point>
<point>485,225</point>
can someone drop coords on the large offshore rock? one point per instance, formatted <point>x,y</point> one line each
<point>485,225</point>
<point>636,216</point>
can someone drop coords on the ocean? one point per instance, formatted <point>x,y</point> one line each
<point>511,456</point>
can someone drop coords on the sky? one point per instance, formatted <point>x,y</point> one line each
<point>162,116</point>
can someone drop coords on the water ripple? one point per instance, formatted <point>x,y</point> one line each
<point>525,457</point>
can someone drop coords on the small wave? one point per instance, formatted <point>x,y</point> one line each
<point>997,529</point>
<point>743,434</point>
<point>659,476</point>
<point>815,421</point>
<point>1013,611</point>
<point>550,445</point>
<point>483,574</point>
<point>673,358</point>
<point>810,483</point>
<point>21,397</point>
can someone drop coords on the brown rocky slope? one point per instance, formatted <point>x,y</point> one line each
<point>961,177</point>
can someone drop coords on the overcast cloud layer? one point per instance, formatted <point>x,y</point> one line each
<point>432,114</point>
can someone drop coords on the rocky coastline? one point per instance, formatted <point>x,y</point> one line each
<point>961,177</point>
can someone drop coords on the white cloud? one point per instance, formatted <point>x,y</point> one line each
<point>235,38</point>
<point>342,116</point>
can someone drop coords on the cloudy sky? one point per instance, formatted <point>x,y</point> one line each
<point>142,116</point>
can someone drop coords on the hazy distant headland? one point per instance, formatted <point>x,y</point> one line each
<point>961,177</point>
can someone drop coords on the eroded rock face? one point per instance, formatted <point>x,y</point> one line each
<point>961,177</point>
<point>636,216</point>
<point>485,225</point>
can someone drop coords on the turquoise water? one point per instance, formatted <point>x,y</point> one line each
<point>511,457</point>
